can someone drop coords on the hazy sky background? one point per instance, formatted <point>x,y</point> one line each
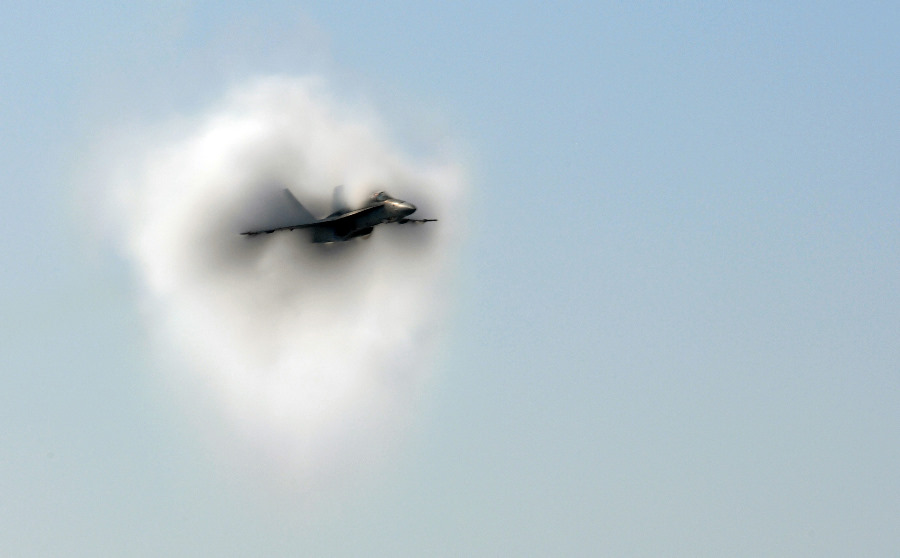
<point>676,320</point>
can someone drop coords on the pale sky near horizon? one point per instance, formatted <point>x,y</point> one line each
<point>675,323</point>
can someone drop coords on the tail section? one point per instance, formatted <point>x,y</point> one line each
<point>339,201</point>
<point>298,208</point>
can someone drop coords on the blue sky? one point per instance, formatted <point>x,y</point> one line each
<point>675,326</point>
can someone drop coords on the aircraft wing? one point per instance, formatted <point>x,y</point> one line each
<point>345,216</point>
<point>287,228</point>
<point>337,222</point>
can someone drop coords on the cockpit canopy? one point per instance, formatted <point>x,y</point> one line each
<point>381,196</point>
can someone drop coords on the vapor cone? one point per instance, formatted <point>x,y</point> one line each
<point>313,354</point>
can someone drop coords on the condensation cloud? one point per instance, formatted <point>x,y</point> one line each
<point>314,355</point>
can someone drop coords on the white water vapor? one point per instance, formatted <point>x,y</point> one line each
<point>314,354</point>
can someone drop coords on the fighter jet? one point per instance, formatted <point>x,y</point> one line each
<point>345,223</point>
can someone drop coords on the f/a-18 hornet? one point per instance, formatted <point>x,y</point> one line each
<point>345,223</point>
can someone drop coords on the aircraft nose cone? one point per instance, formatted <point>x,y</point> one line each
<point>406,208</point>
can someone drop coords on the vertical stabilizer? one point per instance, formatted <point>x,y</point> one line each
<point>298,208</point>
<point>339,201</point>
